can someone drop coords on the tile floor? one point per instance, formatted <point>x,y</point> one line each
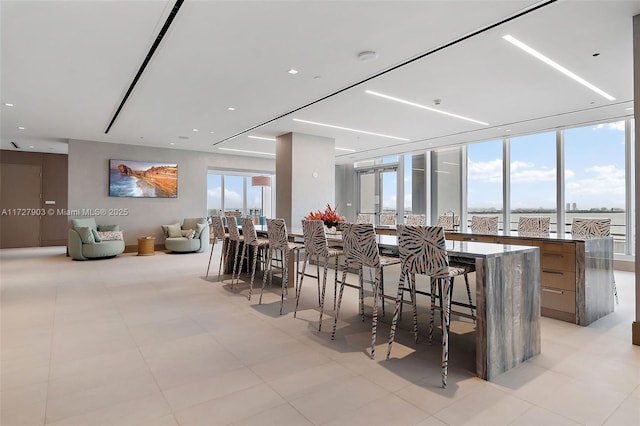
<point>149,341</point>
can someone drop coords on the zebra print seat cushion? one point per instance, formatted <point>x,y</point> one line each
<point>534,225</point>
<point>416,219</point>
<point>447,222</point>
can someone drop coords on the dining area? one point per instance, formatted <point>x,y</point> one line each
<point>502,313</point>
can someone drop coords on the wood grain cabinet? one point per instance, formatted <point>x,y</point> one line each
<point>576,276</point>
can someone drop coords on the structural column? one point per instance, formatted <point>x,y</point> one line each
<point>305,176</point>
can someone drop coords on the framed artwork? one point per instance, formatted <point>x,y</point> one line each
<point>129,178</point>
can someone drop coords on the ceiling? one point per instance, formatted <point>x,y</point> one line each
<point>66,65</point>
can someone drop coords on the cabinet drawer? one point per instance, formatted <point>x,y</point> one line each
<point>557,261</point>
<point>559,300</point>
<point>565,280</point>
<point>555,247</point>
<point>513,241</point>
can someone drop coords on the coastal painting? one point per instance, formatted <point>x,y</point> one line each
<point>142,179</point>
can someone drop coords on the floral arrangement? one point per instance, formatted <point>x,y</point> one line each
<point>329,216</point>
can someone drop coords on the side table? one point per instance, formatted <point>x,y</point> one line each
<point>146,246</point>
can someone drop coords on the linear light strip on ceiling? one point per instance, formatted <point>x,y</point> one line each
<point>262,138</point>
<point>351,130</point>
<point>556,65</point>
<point>403,101</point>
<point>345,149</point>
<point>245,151</point>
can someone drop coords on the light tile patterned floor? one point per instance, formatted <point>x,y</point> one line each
<point>148,341</point>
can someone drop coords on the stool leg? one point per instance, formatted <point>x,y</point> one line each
<point>335,320</point>
<point>335,284</point>
<point>466,281</point>
<point>324,288</point>
<point>267,272</point>
<point>374,319</point>
<point>285,277</point>
<point>433,308</point>
<point>447,290</point>
<point>299,286</point>
<point>361,282</point>
<point>253,269</point>
<point>242,255</point>
<point>412,286</point>
<point>396,312</point>
<point>210,256</point>
<point>221,257</point>
<point>235,261</point>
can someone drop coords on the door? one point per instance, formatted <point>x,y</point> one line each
<point>377,192</point>
<point>20,205</point>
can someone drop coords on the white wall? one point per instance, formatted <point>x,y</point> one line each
<point>308,163</point>
<point>89,184</point>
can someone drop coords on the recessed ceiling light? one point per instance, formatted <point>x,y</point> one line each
<point>403,101</point>
<point>31,146</point>
<point>346,149</point>
<point>9,105</point>
<point>20,128</point>
<point>262,138</point>
<point>231,109</point>
<point>367,55</point>
<point>293,71</point>
<point>351,130</point>
<point>507,130</point>
<point>248,152</point>
<point>196,130</point>
<point>212,131</point>
<point>172,143</point>
<point>628,109</point>
<point>556,66</point>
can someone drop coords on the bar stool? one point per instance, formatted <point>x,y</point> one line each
<point>423,251</point>
<point>234,235</point>
<point>416,219</point>
<point>484,225</point>
<point>448,222</point>
<point>315,244</point>
<point>594,228</point>
<point>218,235</point>
<point>364,218</point>
<point>533,225</point>
<point>279,240</point>
<point>361,250</point>
<point>387,219</point>
<point>257,245</point>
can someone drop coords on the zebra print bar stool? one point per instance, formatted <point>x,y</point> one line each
<point>257,245</point>
<point>387,219</point>
<point>364,218</point>
<point>234,235</point>
<point>361,250</point>
<point>533,225</point>
<point>484,225</point>
<point>448,222</point>
<point>423,251</point>
<point>315,244</point>
<point>594,228</point>
<point>416,219</point>
<point>218,235</point>
<point>279,241</point>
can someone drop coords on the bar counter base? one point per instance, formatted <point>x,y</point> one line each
<point>635,333</point>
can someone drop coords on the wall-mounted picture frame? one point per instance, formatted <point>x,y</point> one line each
<point>130,178</point>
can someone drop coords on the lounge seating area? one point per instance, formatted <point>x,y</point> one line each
<point>87,240</point>
<point>191,236</point>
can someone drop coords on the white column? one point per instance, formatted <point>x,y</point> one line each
<point>636,112</point>
<point>305,176</point>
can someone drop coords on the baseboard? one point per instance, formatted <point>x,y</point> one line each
<point>635,333</point>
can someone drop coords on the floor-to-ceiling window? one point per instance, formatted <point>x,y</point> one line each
<point>484,179</point>
<point>237,193</point>
<point>533,177</point>
<point>446,181</point>
<point>595,176</point>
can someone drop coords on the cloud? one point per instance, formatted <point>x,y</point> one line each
<point>540,175</point>
<point>485,171</point>
<point>605,181</point>
<point>618,125</point>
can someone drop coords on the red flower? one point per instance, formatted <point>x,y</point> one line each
<point>329,216</point>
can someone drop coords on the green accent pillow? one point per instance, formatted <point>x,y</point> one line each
<point>104,228</point>
<point>165,229</point>
<point>96,235</point>
<point>199,229</point>
<point>85,235</point>
<point>174,230</point>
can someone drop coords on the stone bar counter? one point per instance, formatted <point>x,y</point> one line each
<point>507,299</point>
